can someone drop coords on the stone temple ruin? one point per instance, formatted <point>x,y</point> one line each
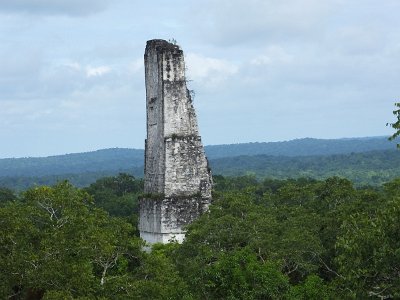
<point>177,181</point>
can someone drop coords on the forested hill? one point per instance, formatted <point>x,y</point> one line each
<point>124,159</point>
<point>364,161</point>
<point>302,147</point>
<point>367,168</point>
<point>96,161</point>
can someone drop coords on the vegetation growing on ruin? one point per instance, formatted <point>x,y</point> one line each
<point>175,136</point>
<point>189,196</point>
<point>262,239</point>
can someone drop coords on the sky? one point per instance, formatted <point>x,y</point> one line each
<point>72,75</point>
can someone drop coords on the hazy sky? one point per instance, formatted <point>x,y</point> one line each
<point>72,77</point>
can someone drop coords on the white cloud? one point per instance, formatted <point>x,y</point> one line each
<point>273,55</point>
<point>97,71</point>
<point>13,114</point>
<point>136,66</point>
<point>362,39</point>
<point>233,22</point>
<point>88,70</point>
<point>272,63</point>
<point>209,71</point>
<point>74,66</point>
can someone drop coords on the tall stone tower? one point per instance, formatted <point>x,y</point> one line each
<point>177,180</point>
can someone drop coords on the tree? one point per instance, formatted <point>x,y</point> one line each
<point>6,195</point>
<point>117,195</point>
<point>238,274</point>
<point>158,278</point>
<point>395,125</point>
<point>276,244</point>
<point>56,242</point>
<point>368,249</point>
<point>313,288</point>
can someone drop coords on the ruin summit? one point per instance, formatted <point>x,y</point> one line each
<point>177,180</point>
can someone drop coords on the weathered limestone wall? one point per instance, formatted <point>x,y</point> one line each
<point>154,146</point>
<point>177,178</point>
<point>186,168</point>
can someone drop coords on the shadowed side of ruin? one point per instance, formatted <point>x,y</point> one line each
<point>177,177</point>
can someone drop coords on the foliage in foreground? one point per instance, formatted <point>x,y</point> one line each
<point>56,244</point>
<point>270,239</point>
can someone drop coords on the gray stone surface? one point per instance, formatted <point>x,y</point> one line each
<point>177,177</point>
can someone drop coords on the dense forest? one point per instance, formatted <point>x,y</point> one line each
<point>365,161</point>
<point>368,168</point>
<point>262,239</point>
<point>117,159</point>
<point>302,147</point>
<point>304,219</point>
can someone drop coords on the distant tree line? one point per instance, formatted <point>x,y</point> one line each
<point>367,168</point>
